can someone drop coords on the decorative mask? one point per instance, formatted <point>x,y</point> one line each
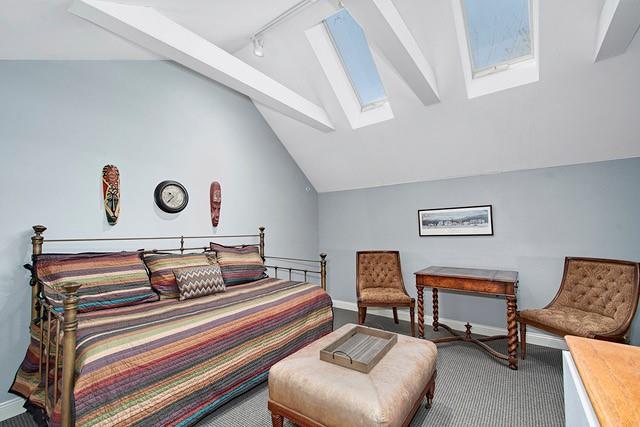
<point>215,194</point>
<point>111,193</point>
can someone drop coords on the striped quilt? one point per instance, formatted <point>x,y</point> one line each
<point>172,362</point>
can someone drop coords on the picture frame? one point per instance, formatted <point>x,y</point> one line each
<point>456,221</point>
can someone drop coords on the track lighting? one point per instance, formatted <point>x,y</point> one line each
<point>257,37</point>
<point>258,47</point>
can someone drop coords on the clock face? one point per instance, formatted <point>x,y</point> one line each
<point>171,196</point>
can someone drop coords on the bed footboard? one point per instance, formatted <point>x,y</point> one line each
<point>69,351</point>
<point>56,333</point>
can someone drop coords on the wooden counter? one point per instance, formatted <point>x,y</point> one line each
<point>610,373</point>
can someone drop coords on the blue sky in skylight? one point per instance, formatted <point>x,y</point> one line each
<point>498,31</point>
<point>352,47</point>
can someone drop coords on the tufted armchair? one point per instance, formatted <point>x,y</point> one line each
<point>597,299</point>
<point>379,284</point>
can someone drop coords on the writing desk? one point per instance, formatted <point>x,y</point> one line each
<point>474,281</point>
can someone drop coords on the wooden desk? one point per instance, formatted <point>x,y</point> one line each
<point>610,373</point>
<point>475,281</point>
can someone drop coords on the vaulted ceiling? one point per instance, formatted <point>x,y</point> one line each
<point>579,111</point>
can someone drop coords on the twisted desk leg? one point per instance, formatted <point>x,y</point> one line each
<point>512,335</point>
<point>434,297</point>
<point>420,312</point>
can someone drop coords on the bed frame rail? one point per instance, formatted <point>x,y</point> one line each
<point>305,271</point>
<point>58,331</point>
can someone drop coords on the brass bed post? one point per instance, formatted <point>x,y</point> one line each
<point>323,271</point>
<point>36,243</point>
<point>261,242</point>
<point>69,351</point>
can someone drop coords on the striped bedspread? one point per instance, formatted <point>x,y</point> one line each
<point>172,362</point>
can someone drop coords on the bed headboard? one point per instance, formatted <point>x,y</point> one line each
<point>181,245</point>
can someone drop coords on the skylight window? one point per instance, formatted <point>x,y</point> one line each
<point>351,46</point>
<point>498,33</point>
<point>498,42</point>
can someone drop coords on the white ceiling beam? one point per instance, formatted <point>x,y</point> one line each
<point>385,28</point>
<point>148,28</point>
<point>618,24</point>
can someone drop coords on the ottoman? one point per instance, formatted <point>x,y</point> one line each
<point>311,392</point>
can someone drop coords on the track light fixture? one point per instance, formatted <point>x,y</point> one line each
<point>258,46</point>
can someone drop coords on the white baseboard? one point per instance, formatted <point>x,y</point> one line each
<point>11,408</point>
<point>532,337</point>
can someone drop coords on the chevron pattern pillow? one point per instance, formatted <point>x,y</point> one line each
<point>161,267</point>
<point>195,282</point>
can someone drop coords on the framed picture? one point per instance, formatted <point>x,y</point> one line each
<point>465,221</point>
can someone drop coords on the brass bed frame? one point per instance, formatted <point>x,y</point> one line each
<point>66,323</point>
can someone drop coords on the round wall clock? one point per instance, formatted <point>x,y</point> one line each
<point>171,196</point>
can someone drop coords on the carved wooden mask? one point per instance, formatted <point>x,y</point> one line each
<point>215,194</point>
<point>111,193</point>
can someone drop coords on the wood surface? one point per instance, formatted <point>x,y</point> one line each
<point>610,373</point>
<point>471,273</point>
<point>473,280</point>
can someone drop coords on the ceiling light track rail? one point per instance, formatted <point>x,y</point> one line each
<point>257,37</point>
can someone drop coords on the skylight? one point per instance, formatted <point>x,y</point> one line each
<point>499,33</point>
<point>351,45</point>
<point>498,42</point>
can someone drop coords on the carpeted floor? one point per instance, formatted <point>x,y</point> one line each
<point>472,389</point>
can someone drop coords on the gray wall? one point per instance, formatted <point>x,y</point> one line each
<point>60,122</point>
<point>540,216</point>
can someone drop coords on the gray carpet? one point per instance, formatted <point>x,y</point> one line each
<point>472,389</point>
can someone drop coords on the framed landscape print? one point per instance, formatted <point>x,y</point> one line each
<point>466,221</point>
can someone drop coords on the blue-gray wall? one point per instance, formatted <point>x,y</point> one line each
<point>540,216</point>
<point>61,122</point>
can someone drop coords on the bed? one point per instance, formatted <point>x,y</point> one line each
<point>166,362</point>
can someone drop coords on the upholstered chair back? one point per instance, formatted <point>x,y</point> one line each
<point>605,287</point>
<point>378,269</point>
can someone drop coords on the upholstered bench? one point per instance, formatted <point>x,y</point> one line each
<point>314,393</point>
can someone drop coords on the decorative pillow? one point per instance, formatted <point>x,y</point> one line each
<point>239,264</point>
<point>194,282</point>
<point>108,279</point>
<point>161,267</point>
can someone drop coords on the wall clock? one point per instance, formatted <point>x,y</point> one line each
<point>171,196</point>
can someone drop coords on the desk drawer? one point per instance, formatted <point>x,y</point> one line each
<point>466,285</point>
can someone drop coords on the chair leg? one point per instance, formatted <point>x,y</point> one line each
<point>395,315</point>
<point>413,322</point>
<point>523,339</point>
<point>362,315</point>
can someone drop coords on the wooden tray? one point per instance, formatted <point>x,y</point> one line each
<point>359,349</point>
